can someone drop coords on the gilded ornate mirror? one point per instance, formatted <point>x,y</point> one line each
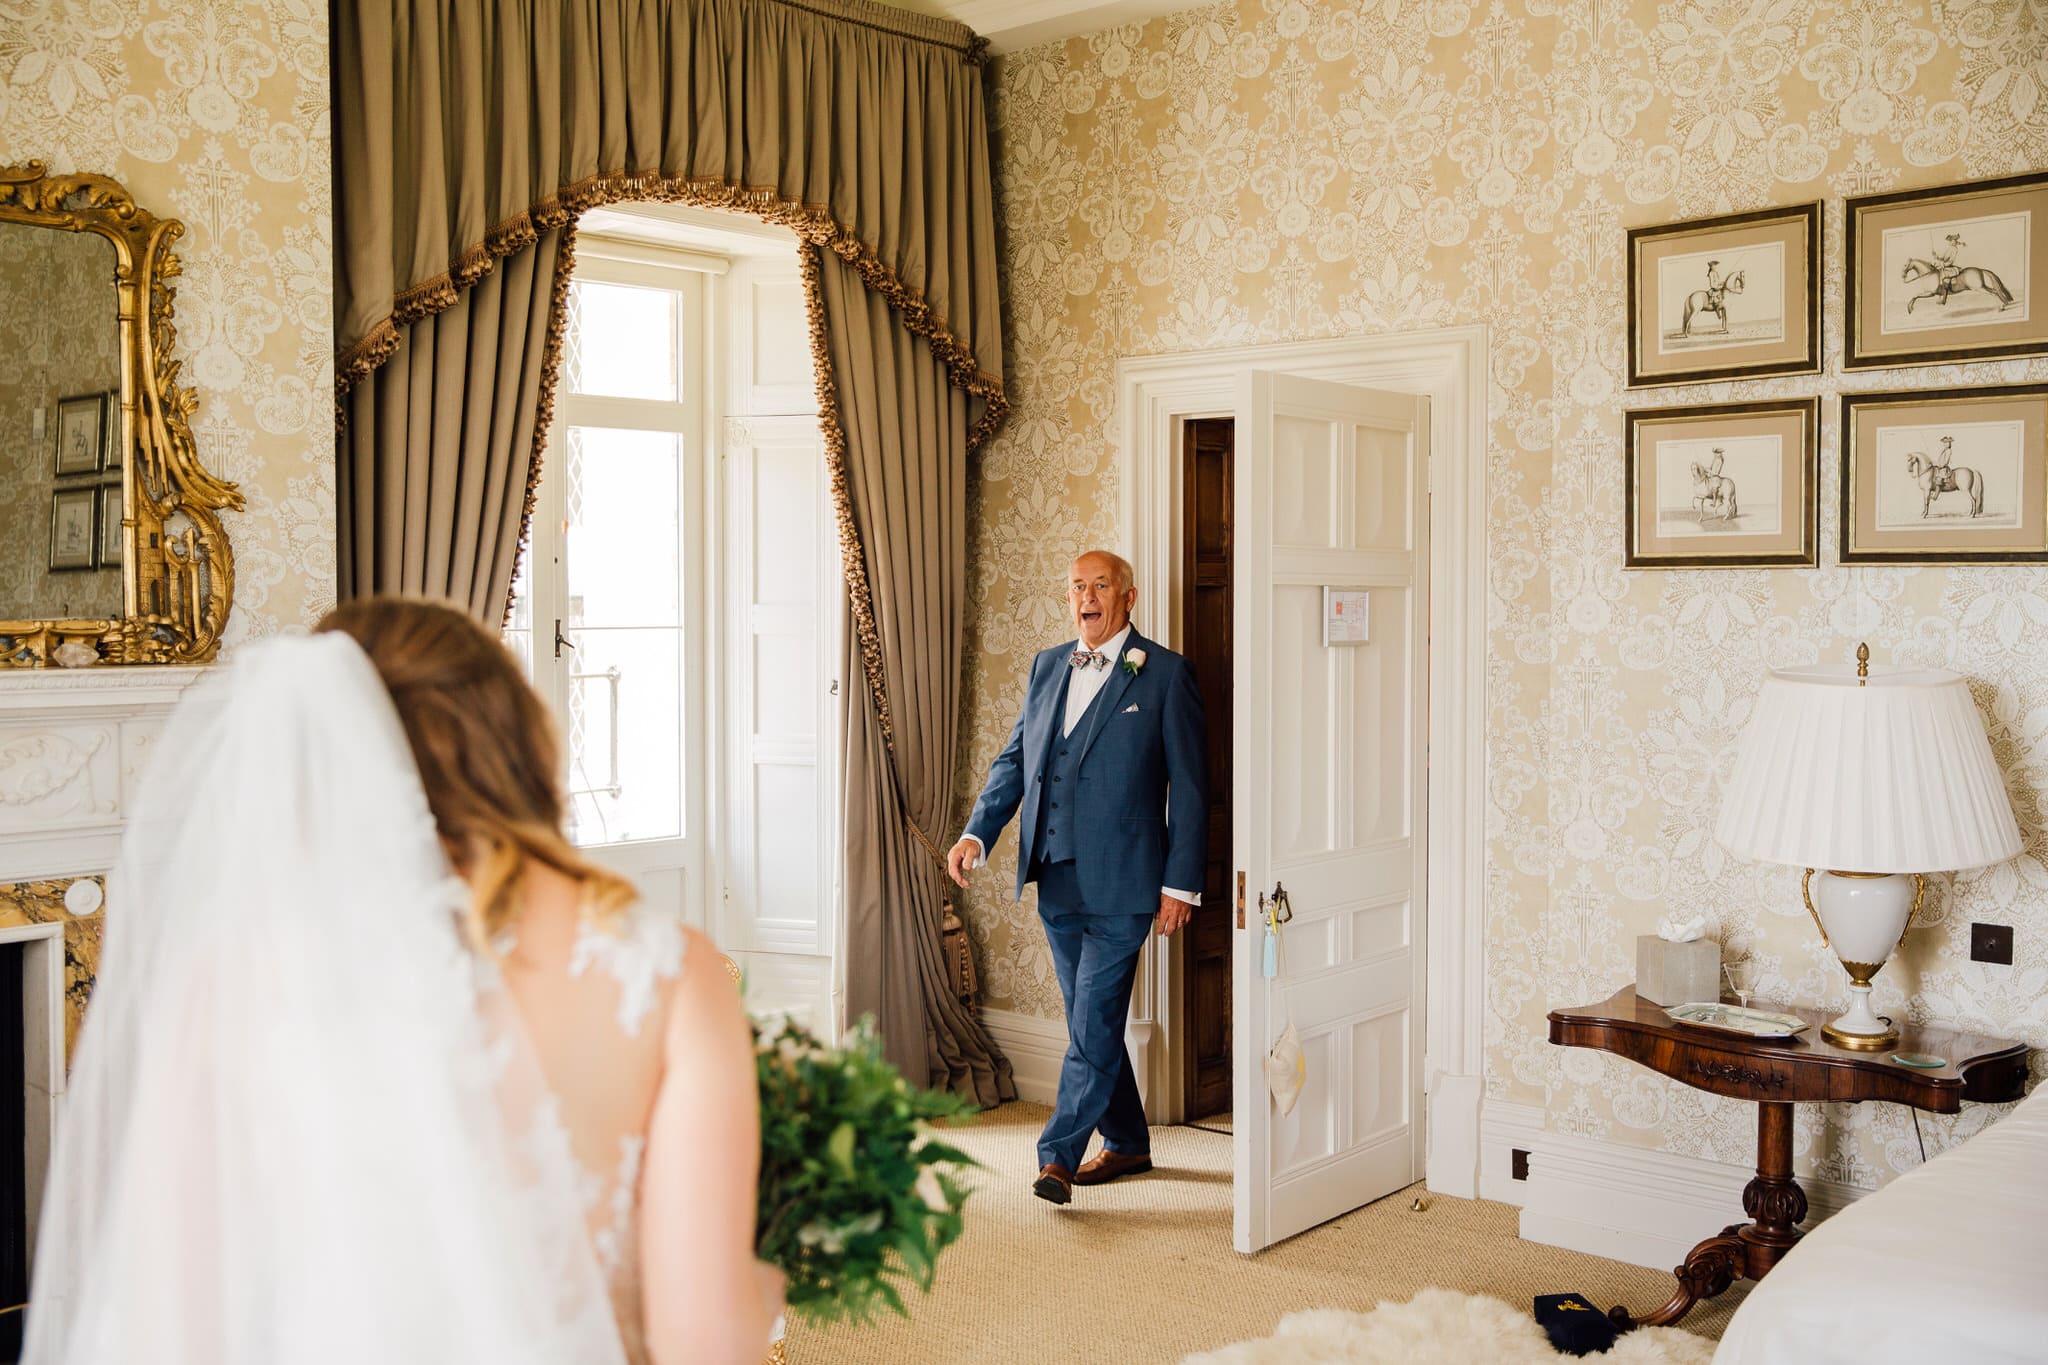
<point>111,547</point>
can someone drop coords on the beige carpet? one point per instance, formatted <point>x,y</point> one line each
<point>1141,1272</point>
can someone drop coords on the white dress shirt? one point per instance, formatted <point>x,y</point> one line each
<point>1087,682</point>
<point>1082,689</point>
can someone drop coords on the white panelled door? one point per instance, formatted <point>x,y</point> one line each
<point>1330,772</point>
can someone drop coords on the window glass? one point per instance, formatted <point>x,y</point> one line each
<point>623,612</point>
<point>621,341</point>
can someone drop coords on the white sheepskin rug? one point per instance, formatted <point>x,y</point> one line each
<point>1442,1327</point>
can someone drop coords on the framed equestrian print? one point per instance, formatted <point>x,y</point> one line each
<point>1726,486</point>
<point>1956,477</point>
<point>1725,298</point>
<point>1944,275</point>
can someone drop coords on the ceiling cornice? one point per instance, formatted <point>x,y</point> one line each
<point>1010,25</point>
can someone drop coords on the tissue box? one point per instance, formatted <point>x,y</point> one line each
<point>1677,973</point>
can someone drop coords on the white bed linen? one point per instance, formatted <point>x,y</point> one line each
<point>1947,1264</point>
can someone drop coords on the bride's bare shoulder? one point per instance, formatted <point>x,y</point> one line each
<point>707,998</point>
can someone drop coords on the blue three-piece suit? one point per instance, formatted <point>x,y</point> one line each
<point>1109,815</point>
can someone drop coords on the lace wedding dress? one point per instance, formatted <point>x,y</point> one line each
<point>305,1121</point>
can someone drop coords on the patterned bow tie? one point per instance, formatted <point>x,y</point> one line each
<point>1084,658</point>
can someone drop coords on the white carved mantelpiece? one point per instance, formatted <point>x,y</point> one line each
<point>71,748</point>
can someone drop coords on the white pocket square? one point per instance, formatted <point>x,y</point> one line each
<point>1132,707</point>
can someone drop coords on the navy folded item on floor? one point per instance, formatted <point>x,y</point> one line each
<point>1575,1326</point>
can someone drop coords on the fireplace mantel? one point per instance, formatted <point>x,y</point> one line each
<point>71,747</point>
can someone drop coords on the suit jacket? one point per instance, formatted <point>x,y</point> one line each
<point>1140,807</point>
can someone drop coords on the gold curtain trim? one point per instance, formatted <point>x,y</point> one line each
<point>812,223</point>
<point>544,407</point>
<point>852,556</point>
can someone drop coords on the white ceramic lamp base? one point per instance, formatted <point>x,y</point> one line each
<point>1862,916</point>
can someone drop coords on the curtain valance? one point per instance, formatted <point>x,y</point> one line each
<point>467,128</point>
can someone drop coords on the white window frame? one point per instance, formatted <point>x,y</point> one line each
<point>692,418</point>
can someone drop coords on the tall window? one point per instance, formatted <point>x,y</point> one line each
<point>679,604</point>
<point>604,602</point>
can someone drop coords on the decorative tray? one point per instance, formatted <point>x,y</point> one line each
<point>1738,1019</point>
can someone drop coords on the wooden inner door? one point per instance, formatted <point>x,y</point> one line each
<point>1205,614</point>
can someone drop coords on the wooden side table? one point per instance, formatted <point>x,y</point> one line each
<point>1776,1074</point>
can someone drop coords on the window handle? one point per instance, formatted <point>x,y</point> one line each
<point>561,642</point>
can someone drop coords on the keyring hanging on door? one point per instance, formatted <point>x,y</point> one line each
<point>1285,1066</point>
<point>1276,912</point>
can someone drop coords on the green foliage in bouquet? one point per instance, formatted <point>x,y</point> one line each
<point>857,1195</point>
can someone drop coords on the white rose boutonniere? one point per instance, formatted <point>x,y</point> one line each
<point>1134,659</point>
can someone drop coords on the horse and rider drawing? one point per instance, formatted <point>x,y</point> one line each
<point>1713,299</point>
<point>1951,277</point>
<point>1713,493</point>
<point>1936,476</point>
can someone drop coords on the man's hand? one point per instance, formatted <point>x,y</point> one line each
<point>1173,914</point>
<point>965,857</point>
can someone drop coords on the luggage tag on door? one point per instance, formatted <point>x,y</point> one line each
<point>1277,912</point>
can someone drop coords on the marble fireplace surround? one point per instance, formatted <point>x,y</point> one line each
<point>72,746</point>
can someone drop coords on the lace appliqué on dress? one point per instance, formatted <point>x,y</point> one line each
<point>639,949</point>
<point>614,1240</point>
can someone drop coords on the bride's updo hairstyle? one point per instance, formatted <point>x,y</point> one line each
<point>486,748</point>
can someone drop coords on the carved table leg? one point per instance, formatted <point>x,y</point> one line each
<point>1746,1250</point>
<point>1774,1199</point>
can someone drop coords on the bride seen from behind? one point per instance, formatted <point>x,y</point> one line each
<point>379,1066</point>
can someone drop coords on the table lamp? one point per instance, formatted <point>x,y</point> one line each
<point>1866,780</point>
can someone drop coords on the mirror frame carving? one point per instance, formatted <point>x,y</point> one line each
<point>176,585</point>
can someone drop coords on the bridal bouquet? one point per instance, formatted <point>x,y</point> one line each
<point>857,1195</point>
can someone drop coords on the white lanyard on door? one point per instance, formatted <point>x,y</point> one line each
<point>1276,912</point>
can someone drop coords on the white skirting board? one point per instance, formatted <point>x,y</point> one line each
<point>1035,1047</point>
<point>1632,1204</point>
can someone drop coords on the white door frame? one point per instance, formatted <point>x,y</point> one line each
<point>1155,396</point>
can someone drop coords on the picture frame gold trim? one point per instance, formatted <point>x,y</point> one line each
<point>96,404</point>
<point>1866,540</point>
<point>1870,216</point>
<point>59,499</point>
<point>1794,544</point>
<point>1795,230</point>
<point>177,568</point>
<point>106,536</point>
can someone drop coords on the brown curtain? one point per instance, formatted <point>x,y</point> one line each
<point>897,436</point>
<point>470,134</point>
<point>438,445</point>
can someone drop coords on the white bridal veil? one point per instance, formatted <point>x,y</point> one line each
<point>302,1123</point>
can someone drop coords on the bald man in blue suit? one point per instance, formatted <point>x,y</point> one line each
<point>1106,765</point>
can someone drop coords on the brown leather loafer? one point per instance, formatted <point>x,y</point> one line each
<point>1055,1184</point>
<point>1108,1165</point>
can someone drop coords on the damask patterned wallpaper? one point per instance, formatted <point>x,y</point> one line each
<point>58,345</point>
<point>1269,170</point>
<point>215,112</point>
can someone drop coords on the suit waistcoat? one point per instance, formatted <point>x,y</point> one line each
<point>1057,840</point>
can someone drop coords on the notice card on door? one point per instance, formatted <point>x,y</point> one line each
<point>1347,616</point>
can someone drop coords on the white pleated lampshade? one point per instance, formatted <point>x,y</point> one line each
<point>1891,776</point>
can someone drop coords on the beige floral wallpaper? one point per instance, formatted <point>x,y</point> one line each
<point>61,334</point>
<point>215,112</point>
<point>1268,170</point>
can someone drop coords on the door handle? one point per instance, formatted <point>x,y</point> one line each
<point>1282,911</point>
<point>562,641</point>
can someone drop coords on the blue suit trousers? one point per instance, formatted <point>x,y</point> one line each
<point>1096,958</point>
